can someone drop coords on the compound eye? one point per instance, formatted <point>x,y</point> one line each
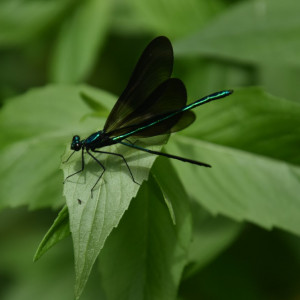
<point>76,144</point>
<point>75,139</point>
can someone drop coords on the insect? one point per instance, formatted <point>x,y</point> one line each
<point>151,104</point>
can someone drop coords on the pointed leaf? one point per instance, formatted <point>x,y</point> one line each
<point>92,221</point>
<point>144,257</point>
<point>57,232</point>
<point>241,185</point>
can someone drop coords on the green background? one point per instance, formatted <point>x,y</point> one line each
<point>231,232</point>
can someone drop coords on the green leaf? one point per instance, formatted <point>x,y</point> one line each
<point>100,211</point>
<point>170,185</point>
<point>255,171</point>
<point>80,40</point>
<point>21,21</point>
<point>259,32</point>
<point>57,232</point>
<point>144,256</point>
<point>240,185</point>
<point>34,129</point>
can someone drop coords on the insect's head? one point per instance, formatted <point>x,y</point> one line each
<point>76,143</point>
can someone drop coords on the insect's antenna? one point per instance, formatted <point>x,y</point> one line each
<point>68,157</point>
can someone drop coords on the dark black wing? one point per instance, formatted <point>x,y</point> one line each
<point>169,97</point>
<point>186,119</point>
<point>153,68</point>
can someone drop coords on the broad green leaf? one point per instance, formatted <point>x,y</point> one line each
<point>240,185</point>
<point>144,256</point>
<point>21,21</point>
<point>259,32</point>
<point>57,232</point>
<point>93,215</point>
<point>34,129</point>
<point>29,173</point>
<point>80,40</point>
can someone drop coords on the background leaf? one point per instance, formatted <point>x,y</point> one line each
<point>58,231</point>
<point>80,40</point>
<point>153,250</point>
<point>35,127</point>
<point>258,32</point>
<point>241,185</point>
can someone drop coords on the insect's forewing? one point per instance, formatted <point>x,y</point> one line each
<point>153,68</point>
<point>169,97</point>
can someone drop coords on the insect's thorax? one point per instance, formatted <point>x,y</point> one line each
<point>97,140</point>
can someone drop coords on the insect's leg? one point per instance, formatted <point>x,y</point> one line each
<point>191,161</point>
<point>68,157</point>
<point>120,155</point>
<point>101,165</point>
<point>132,143</point>
<point>82,165</point>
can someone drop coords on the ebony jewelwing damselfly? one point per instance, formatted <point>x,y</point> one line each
<point>151,104</point>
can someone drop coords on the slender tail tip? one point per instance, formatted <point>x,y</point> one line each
<point>204,165</point>
<point>228,92</point>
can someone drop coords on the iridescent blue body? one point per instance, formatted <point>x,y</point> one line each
<point>96,140</point>
<point>151,104</point>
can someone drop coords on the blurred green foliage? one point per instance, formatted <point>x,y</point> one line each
<point>189,233</point>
